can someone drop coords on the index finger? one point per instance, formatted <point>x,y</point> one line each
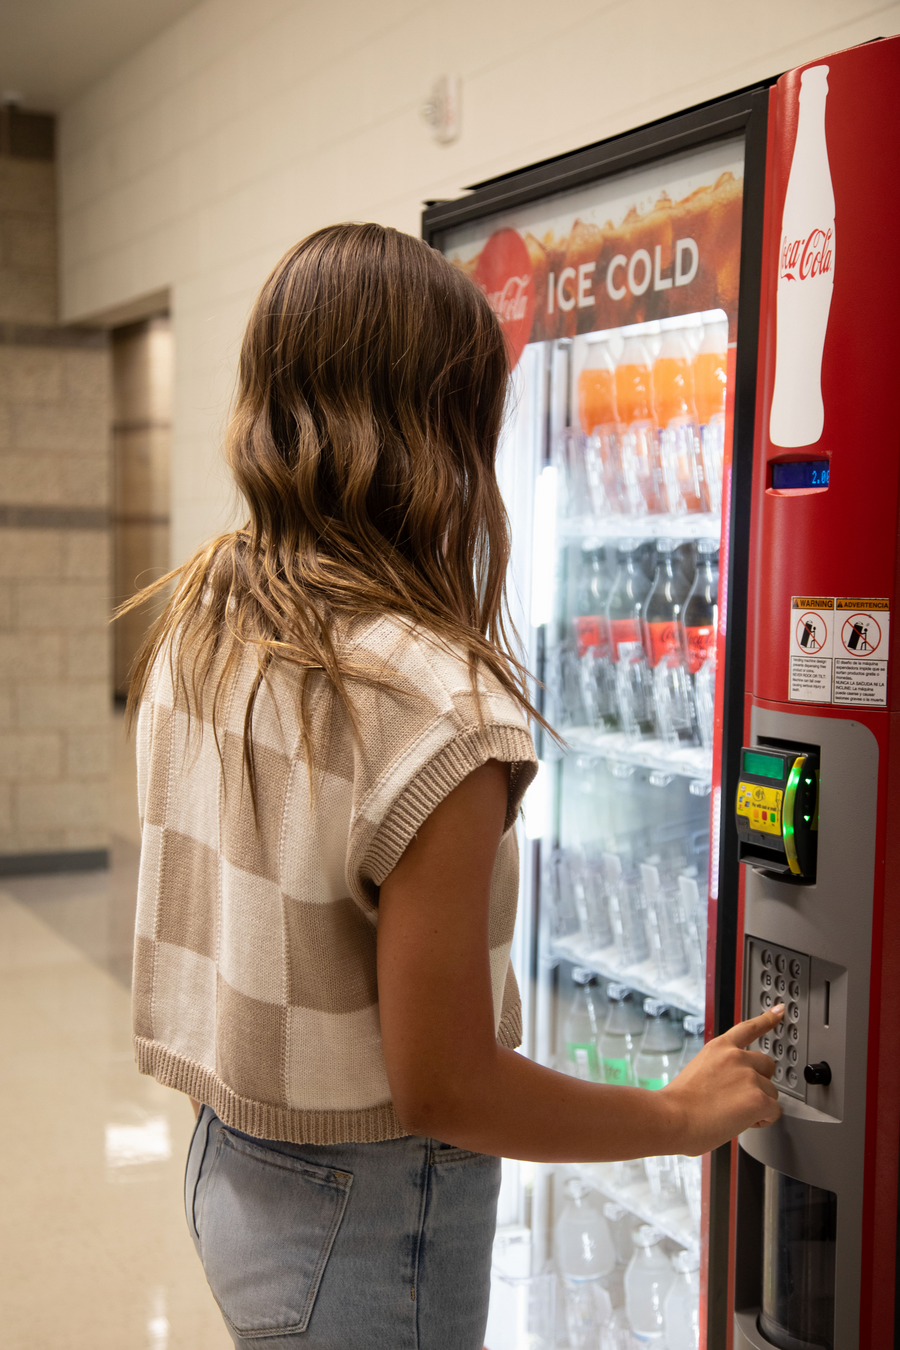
<point>745,1033</point>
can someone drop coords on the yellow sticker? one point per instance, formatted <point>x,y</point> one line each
<point>761,806</point>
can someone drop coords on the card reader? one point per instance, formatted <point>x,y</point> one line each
<point>777,812</point>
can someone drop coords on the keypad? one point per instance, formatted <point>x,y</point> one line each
<point>773,975</point>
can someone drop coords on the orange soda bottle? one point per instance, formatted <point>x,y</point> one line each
<point>597,389</point>
<point>710,385</point>
<point>679,435</point>
<point>599,422</point>
<point>638,432</point>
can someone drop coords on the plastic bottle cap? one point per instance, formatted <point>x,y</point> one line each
<point>617,993</point>
<point>580,975</point>
<point>693,1025</point>
<point>686,1261</point>
<point>666,545</point>
<point>647,1236</point>
<point>613,1211</point>
<point>576,1189</point>
<point>654,1007</point>
<point>707,546</point>
<point>714,316</point>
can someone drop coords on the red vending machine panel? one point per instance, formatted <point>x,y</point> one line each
<point>816,1211</point>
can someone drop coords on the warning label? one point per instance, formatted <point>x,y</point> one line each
<point>838,651</point>
<point>812,644</point>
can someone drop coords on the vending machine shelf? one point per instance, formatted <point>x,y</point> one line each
<point>692,525</point>
<point>683,993</point>
<point>635,1196</point>
<point>663,761</point>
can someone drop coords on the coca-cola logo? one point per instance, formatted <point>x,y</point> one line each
<point>504,273</point>
<point>803,259</point>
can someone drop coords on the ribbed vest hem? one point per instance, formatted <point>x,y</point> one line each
<point>436,780</point>
<point>368,1125</point>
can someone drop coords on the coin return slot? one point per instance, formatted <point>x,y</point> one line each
<point>827,1018</point>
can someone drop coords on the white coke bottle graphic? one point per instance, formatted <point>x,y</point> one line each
<point>805,275</point>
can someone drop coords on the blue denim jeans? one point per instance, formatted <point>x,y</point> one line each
<point>346,1246</point>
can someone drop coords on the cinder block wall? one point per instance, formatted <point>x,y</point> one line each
<point>142,433</point>
<point>54,546</point>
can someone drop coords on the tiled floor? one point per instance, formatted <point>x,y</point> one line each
<point>94,1251</point>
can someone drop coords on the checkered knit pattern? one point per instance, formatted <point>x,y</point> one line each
<point>255,984</point>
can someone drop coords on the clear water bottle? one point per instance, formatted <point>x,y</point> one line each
<point>561,911</point>
<point>693,906</point>
<point>694,1028</point>
<point>634,690</point>
<point>582,1029</point>
<point>681,1309</point>
<point>692,1168</point>
<point>659,1054</point>
<point>591,893</point>
<point>626,911</point>
<point>585,1254</point>
<point>622,1224</point>
<point>647,1282</point>
<point>620,1035</point>
<point>665,925</point>
<point>592,640</point>
<point>656,1064</point>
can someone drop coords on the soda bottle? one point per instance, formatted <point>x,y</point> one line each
<point>584,1252</point>
<point>700,621</point>
<point>679,434</point>
<point>681,1308</point>
<point>638,432</point>
<point>581,1030</point>
<point>597,413</point>
<point>623,613</point>
<point>592,644</point>
<point>672,701</point>
<point>647,1282</point>
<point>620,1035</point>
<point>710,386</point>
<point>805,275</point>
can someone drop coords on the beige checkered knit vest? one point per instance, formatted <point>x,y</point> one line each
<point>254,968</point>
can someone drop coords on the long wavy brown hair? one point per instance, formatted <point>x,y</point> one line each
<point>371,391</point>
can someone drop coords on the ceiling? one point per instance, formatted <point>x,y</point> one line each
<point>52,50</point>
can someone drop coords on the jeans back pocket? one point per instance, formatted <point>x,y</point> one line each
<point>267,1222</point>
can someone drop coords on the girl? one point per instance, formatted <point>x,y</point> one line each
<point>333,746</point>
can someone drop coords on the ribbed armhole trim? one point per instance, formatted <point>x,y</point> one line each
<point>436,780</point>
<point>370,1125</point>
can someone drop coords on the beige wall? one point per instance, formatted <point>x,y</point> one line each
<point>244,126</point>
<point>142,435</point>
<point>54,545</point>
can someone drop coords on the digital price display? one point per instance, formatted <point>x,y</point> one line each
<point>806,473</point>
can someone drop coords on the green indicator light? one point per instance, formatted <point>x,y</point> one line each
<point>787,820</point>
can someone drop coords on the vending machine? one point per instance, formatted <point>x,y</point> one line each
<point>702,467</point>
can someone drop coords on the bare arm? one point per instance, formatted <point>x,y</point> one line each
<point>450,1080</point>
